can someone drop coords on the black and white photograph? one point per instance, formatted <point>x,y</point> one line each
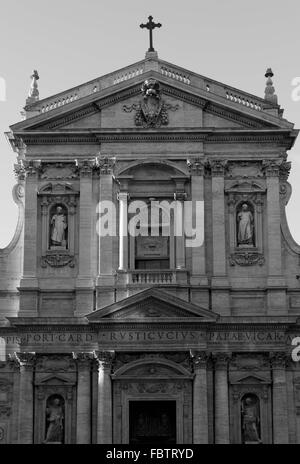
<point>150,225</point>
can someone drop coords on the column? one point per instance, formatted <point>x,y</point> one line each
<point>220,288</point>
<point>273,218</point>
<point>29,284</point>
<point>179,230</point>
<point>123,231</point>
<point>83,420</point>
<point>221,399</point>
<point>200,412</point>
<point>25,418</point>
<point>84,284</point>
<point>280,403</point>
<point>276,292</point>
<point>196,167</point>
<point>218,217</point>
<point>104,420</point>
<point>106,265</point>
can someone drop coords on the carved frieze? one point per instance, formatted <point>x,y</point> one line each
<point>57,171</point>
<point>246,258</point>
<point>57,260</point>
<point>181,358</point>
<point>244,170</point>
<point>54,363</point>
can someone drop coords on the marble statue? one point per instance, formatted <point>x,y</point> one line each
<point>245,223</point>
<point>250,421</point>
<point>55,417</point>
<point>58,228</point>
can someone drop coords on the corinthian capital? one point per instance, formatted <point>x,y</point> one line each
<point>279,360</point>
<point>221,360</point>
<point>86,167</point>
<point>25,359</point>
<point>106,165</point>
<point>83,359</point>
<point>105,359</point>
<point>272,167</point>
<point>31,167</point>
<point>200,359</point>
<point>196,166</point>
<point>218,167</point>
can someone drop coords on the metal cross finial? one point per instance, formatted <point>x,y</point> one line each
<point>150,25</point>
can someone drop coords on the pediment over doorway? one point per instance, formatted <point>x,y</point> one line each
<point>152,304</point>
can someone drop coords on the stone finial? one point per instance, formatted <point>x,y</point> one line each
<point>270,90</point>
<point>33,94</point>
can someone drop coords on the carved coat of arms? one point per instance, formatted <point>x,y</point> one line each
<point>152,111</point>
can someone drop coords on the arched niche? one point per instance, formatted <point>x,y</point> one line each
<point>58,202</point>
<point>49,387</point>
<point>257,387</point>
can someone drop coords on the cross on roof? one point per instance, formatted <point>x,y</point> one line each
<point>150,25</point>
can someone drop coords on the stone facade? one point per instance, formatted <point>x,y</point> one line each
<point>95,328</point>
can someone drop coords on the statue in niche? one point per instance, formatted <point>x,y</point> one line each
<point>245,226</point>
<point>58,228</point>
<point>250,419</point>
<point>55,420</point>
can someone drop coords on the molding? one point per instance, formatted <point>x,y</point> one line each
<point>278,136</point>
<point>69,118</point>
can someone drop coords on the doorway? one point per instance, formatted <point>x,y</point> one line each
<point>152,422</point>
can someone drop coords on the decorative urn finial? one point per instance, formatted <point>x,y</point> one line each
<point>33,94</point>
<point>270,90</point>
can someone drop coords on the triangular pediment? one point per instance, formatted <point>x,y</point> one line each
<point>251,379</point>
<point>201,103</point>
<point>153,304</point>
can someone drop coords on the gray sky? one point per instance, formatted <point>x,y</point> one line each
<point>71,41</point>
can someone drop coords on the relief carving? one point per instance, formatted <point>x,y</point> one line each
<point>55,363</point>
<point>59,171</point>
<point>151,111</point>
<point>247,258</point>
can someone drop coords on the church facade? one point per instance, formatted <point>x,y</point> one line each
<point>151,291</point>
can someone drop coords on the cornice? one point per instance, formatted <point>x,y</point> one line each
<point>69,118</point>
<point>283,137</point>
<point>163,323</point>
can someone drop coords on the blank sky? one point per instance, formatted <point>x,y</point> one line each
<point>70,42</point>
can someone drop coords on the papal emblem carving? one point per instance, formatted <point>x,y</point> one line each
<point>151,111</point>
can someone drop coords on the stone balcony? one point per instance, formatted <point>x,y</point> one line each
<point>153,277</point>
